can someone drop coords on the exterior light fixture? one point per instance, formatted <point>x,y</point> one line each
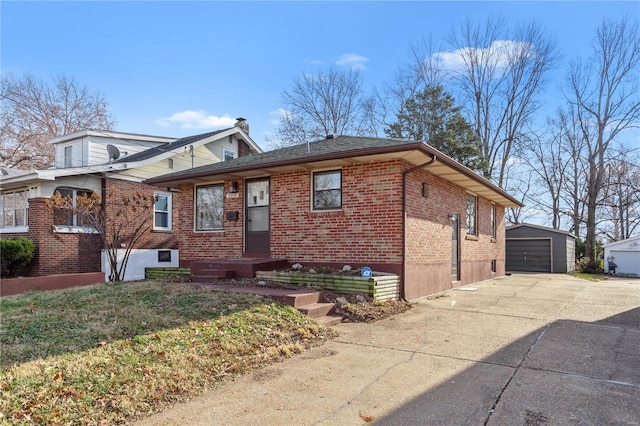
<point>233,188</point>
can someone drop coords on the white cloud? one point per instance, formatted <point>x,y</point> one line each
<point>352,61</point>
<point>190,119</point>
<point>278,114</point>
<point>498,53</point>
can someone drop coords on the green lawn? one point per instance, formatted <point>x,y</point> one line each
<point>112,353</point>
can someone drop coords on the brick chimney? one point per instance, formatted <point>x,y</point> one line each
<point>242,124</point>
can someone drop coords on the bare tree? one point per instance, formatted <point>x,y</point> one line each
<point>33,111</point>
<point>621,198</point>
<point>121,224</point>
<point>499,73</point>
<point>546,160</point>
<point>326,103</point>
<point>519,181</point>
<point>604,93</point>
<point>423,70</point>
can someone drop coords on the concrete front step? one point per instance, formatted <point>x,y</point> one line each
<point>212,276</point>
<point>329,320</point>
<point>307,302</point>
<point>300,299</point>
<point>317,310</point>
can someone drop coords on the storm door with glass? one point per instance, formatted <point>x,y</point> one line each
<point>257,216</point>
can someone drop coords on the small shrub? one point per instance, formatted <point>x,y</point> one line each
<point>588,266</point>
<point>14,254</point>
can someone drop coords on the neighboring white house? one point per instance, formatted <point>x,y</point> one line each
<point>625,255</point>
<point>110,164</point>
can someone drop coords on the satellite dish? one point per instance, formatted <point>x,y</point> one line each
<point>114,152</point>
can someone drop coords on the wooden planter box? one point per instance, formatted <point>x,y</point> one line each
<point>156,273</point>
<point>380,287</point>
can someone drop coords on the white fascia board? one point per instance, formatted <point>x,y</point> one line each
<point>19,179</point>
<point>111,134</point>
<point>622,242</point>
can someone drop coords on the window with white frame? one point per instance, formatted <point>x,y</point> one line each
<point>73,155</point>
<point>227,154</point>
<point>209,209</point>
<point>68,156</point>
<point>69,216</point>
<point>493,220</point>
<point>162,211</point>
<point>327,190</point>
<point>472,215</point>
<point>14,208</point>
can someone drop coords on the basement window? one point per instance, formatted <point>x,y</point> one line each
<point>164,255</point>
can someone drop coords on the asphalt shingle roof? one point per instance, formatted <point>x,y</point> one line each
<point>340,147</point>
<point>323,147</point>
<point>152,152</point>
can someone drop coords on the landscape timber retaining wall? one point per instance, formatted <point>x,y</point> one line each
<point>380,287</point>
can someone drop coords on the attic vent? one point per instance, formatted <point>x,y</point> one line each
<point>329,136</point>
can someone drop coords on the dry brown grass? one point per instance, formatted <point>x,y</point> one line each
<point>109,354</point>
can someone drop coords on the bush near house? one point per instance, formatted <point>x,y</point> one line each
<point>14,254</point>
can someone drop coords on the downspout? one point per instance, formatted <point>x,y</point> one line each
<point>404,221</point>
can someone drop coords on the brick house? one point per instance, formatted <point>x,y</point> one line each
<point>396,206</point>
<point>113,164</point>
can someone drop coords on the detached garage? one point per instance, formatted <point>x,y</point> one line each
<point>533,248</point>
<point>626,256</point>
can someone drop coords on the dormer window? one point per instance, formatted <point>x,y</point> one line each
<point>72,155</point>
<point>68,156</point>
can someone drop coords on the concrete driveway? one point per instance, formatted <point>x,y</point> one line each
<point>519,350</point>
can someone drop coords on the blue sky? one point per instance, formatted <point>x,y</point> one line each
<point>167,68</point>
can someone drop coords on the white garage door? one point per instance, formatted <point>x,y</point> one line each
<point>628,262</point>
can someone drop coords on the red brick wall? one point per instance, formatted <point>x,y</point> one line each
<point>367,230</point>
<point>370,221</point>
<point>65,253</point>
<point>57,253</point>
<point>210,244</point>
<point>153,239</point>
<point>428,237</point>
<point>243,148</point>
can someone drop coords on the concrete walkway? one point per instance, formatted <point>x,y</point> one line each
<point>519,350</point>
